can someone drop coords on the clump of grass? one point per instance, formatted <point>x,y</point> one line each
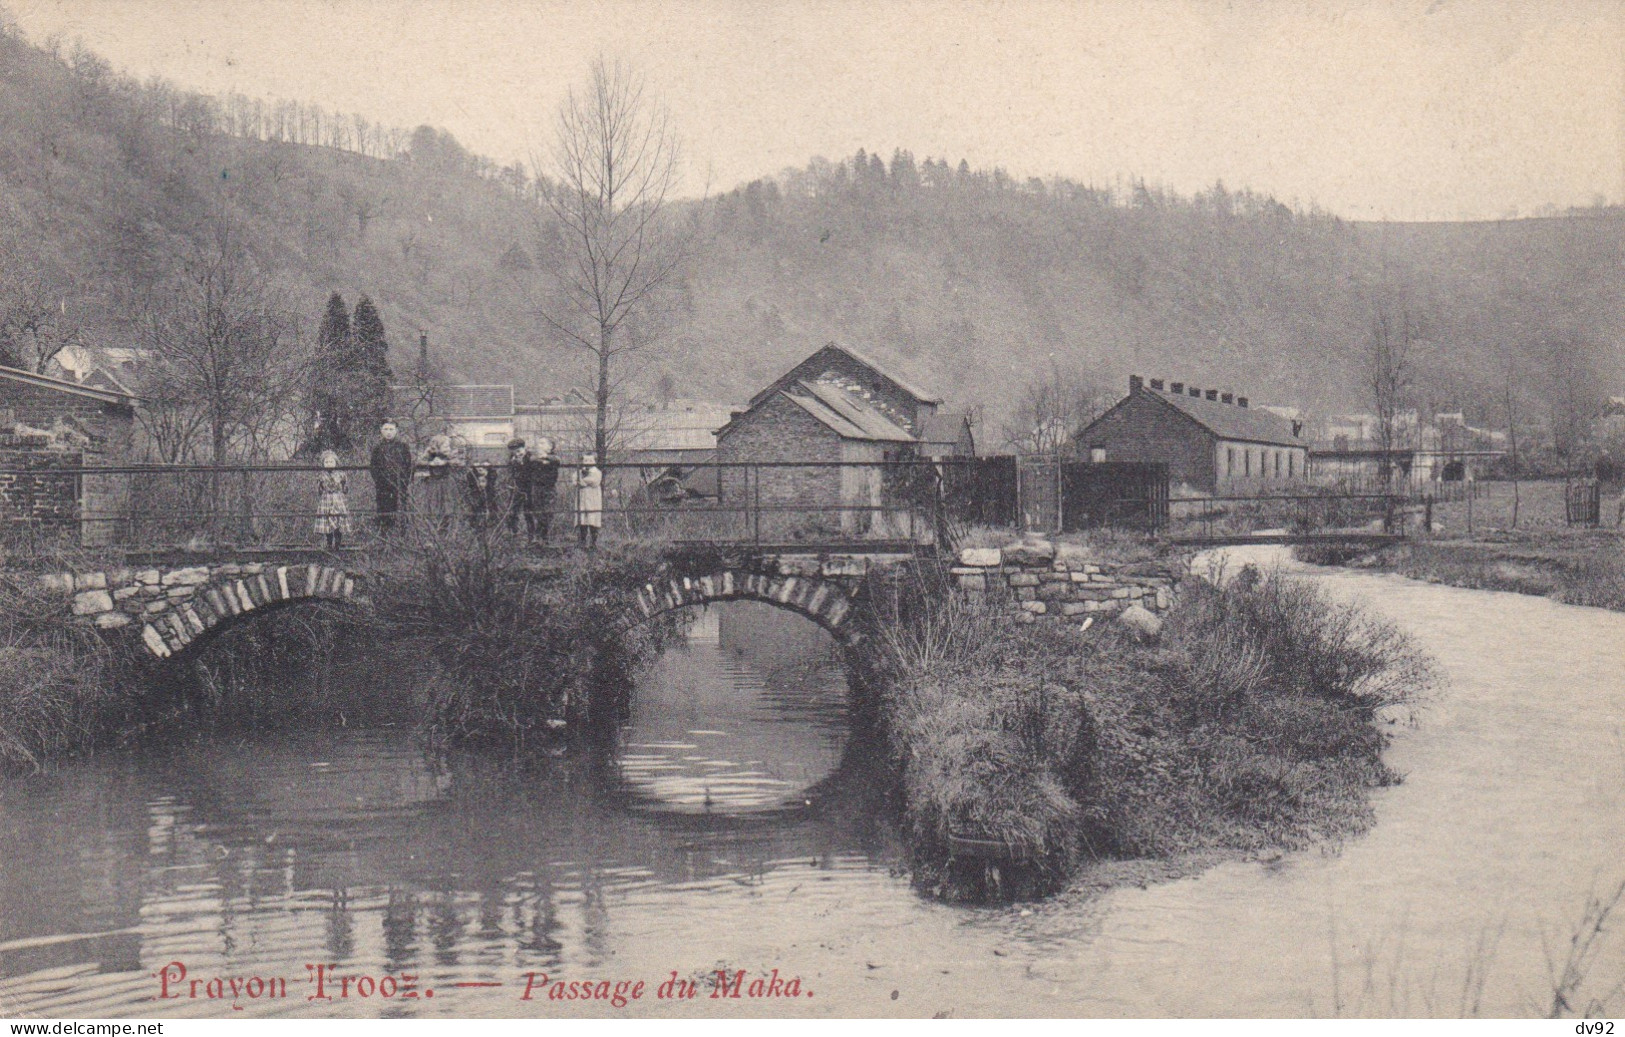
<point>1251,724</point>
<point>514,651</point>
<point>61,688</point>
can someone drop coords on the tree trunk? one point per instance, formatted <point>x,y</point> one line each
<point>600,438</point>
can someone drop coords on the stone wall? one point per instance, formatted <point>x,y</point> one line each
<point>779,430</point>
<point>171,608</point>
<point>1064,582</point>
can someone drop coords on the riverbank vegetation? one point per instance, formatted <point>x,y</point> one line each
<point>469,637</point>
<point>1028,751</point>
<point>1573,567</point>
<point>61,687</point>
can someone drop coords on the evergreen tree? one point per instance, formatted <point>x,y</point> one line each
<point>371,348</point>
<point>328,405</point>
<point>370,376</point>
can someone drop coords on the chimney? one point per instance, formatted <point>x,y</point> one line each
<point>1196,394</point>
<point>1227,398</point>
<point>1297,429</point>
<point>1241,401</point>
<point>1177,388</point>
<point>1213,394</point>
<point>423,355</point>
<point>1156,383</point>
<point>1135,383</point>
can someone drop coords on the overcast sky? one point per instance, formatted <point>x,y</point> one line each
<point>1434,109</point>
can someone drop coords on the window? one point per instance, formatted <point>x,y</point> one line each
<point>1229,460</point>
<point>1247,462</point>
<point>1097,454</point>
<point>1291,460</point>
<point>1277,464</point>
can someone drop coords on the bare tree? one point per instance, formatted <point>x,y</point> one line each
<point>1052,410</point>
<point>1573,398</point>
<point>1510,378</point>
<point>223,362</point>
<point>614,171</point>
<point>1388,376</point>
<point>37,321</point>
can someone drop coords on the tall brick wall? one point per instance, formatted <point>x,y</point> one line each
<point>32,498</point>
<point>99,501</point>
<point>778,430</point>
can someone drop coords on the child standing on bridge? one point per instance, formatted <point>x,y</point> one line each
<point>333,508</point>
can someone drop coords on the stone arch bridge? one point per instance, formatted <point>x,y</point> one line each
<point>165,611</point>
<point>168,610</point>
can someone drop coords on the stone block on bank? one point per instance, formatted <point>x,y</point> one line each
<point>89,603</point>
<point>1141,621</point>
<point>1023,580</point>
<point>1037,608</point>
<point>150,577</point>
<point>973,581</point>
<point>186,577</point>
<point>982,557</point>
<point>1030,552</point>
<point>90,582</point>
<point>60,582</point>
<point>112,620</point>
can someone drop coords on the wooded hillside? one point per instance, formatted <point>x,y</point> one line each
<point>970,282</point>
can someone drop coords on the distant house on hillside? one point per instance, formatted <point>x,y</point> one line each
<point>1213,442</point>
<point>842,414</point>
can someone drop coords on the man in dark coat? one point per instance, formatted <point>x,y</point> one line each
<point>391,475</point>
<point>534,478</point>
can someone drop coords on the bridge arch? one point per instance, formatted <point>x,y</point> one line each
<point>827,602</point>
<point>227,597</point>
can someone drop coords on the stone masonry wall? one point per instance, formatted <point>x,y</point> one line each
<point>170,608</point>
<point>1065,582</point>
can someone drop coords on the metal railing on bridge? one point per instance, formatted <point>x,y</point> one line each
<point>263,506</point>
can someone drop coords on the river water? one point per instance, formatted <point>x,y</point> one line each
<point>737,826</point>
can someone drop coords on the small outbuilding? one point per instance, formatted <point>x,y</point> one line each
<point>1213,442</point>
<point>822,432</point>
<point>49,428</point>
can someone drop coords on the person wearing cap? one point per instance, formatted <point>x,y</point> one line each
<point>589,482</point>
<point>533,478</point>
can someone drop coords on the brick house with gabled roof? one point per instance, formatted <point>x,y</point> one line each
<point>836,406</point>
<point>49,423</point>
<point>1212,441</point>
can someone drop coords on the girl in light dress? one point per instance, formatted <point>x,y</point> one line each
<point>333,507</point>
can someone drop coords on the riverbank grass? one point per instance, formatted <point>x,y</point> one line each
<point>1575,567</point>
<point>61,687</point>
<point>1253,723</point>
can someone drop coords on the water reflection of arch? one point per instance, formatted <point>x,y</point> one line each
<point>442,853</point>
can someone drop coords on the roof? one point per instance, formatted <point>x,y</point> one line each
<point>943,428</point>
<point>783,380</point>
<point>847,417</point>
<point>40,381</point>
<point>1226,421</point>
<point>461,401</point>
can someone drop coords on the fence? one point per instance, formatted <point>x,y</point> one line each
<point>201,507</point>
